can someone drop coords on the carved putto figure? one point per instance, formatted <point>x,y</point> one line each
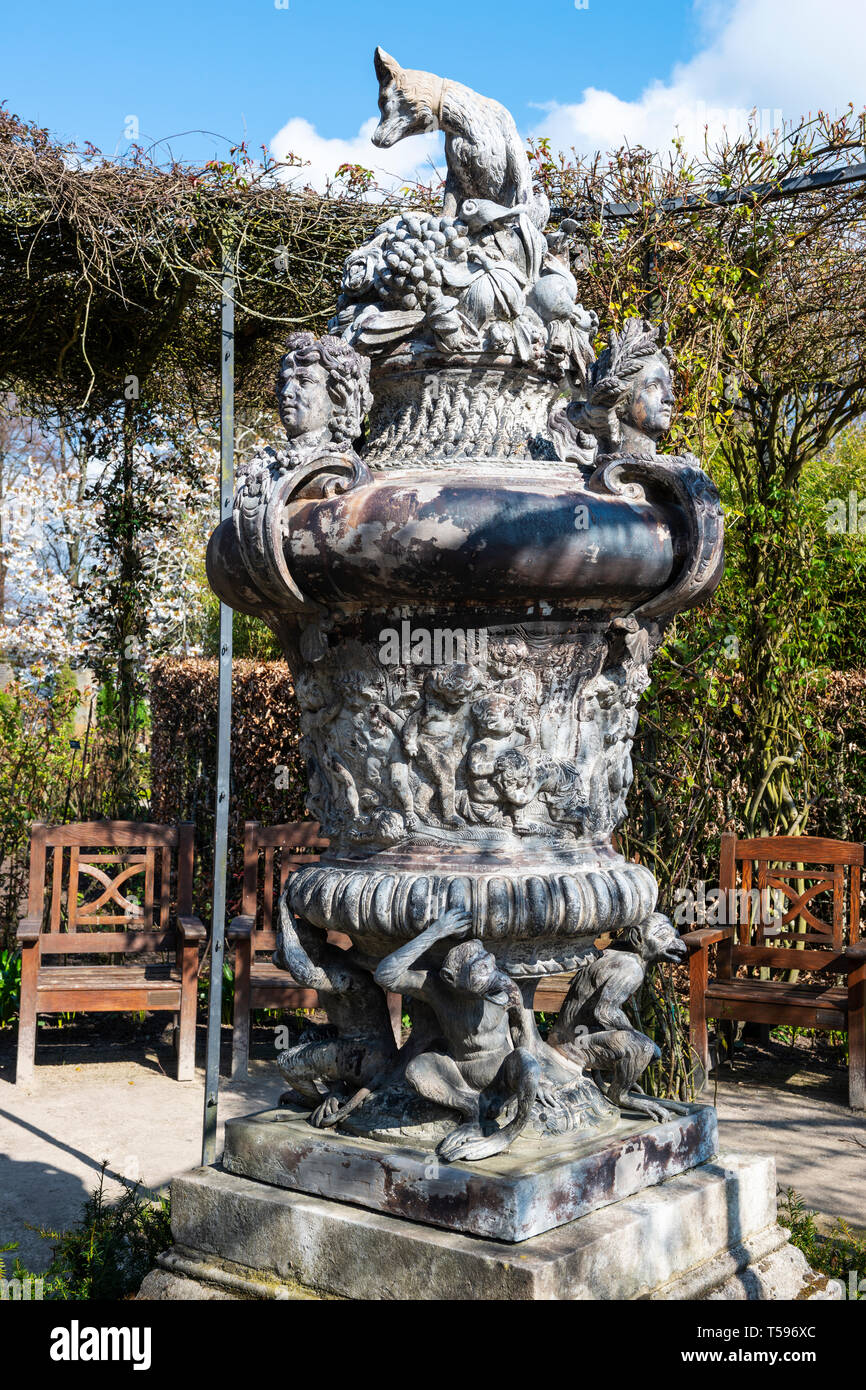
<point>329,1064</point>
<point>488,1065</point>
<point>592,1029</point>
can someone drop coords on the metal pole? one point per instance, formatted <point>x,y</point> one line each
<point>224,724</point>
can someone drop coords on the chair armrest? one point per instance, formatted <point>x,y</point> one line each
<point>191,928</point>
<point>855,954</point>
<point>29,929</point>
<point>705,936</point>
<point>241,926</point>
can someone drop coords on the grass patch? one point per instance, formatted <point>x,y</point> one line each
<point>106,1256</point>
<point>835,1253</point>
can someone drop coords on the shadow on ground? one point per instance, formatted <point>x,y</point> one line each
<point>105,1095</point>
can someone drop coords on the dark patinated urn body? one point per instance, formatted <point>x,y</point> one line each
<point>469,605</point>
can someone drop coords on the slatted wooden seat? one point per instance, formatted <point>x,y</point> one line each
<point>106,875</point>
<point>271,854</point>
<point>550,993</point>
<point>791,905</point>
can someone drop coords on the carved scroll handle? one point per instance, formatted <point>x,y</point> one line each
<point>341,475</point>
<point>259,518</point>
<point>700,552</point>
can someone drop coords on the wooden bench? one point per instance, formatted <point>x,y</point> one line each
<point>271,854</point>
<point>106,875</point>
<point>550,993</point>
<point>771,926</point>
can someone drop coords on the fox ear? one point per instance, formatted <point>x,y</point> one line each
<point>386,66</point>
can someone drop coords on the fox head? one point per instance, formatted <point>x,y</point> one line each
<point>409,102</point>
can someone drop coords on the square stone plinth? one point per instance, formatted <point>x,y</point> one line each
<point>537,1185</point>
<point>711,1232</point>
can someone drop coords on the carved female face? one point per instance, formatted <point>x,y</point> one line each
<point>651,404</point>
<point>304,403</point>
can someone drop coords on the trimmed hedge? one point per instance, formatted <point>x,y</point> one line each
<point>267,774</point>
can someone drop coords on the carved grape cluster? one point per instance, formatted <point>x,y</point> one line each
<point>412,257</point>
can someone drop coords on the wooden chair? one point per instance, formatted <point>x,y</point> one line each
<point>259,984</point>
<point>550,993</point>
<point>763,937</point>
<point>94,865</point>
<point>271,853</point>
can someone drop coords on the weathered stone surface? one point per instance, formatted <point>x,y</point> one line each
<point>162,1286</point>
<point>535,1186</point>
<point>662,1243</point>
<point>782,1274</point>
<point>470,777</point>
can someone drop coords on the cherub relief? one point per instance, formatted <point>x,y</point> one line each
<point>499,724</point>
<point>387,769</point>
<point>435,735</point>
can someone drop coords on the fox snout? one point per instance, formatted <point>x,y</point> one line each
<point>404,120</point>
<point>387,133</point>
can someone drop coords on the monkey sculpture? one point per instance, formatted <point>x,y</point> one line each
<point>592,1029</point>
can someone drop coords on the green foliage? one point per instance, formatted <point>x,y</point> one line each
<point>835,1254</point>
<point>37,772</point>
<point>10,985</point>
<point>48,775</point>
<point>709,692</point>
<point>228,994</point>
<point>787,1034</point>
<point>250,636</point>
<point>109,1252</point>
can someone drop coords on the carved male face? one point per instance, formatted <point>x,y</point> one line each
<point>650,407</point>
<point>304,404</point>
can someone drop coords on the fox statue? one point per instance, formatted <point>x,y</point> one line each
<point>486,158</point>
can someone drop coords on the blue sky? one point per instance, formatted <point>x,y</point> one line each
<point>230,64</point>
<point>301,77</point>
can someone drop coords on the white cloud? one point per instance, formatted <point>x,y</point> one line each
<point>783,58</point>
<point>410,159</point>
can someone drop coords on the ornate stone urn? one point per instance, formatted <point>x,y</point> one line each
<point>469,600</point>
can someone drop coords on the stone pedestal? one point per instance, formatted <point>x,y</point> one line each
<point>537,1185</point>
<point>709,1233</point>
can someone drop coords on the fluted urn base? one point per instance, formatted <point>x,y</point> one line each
<point>537,910</point>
